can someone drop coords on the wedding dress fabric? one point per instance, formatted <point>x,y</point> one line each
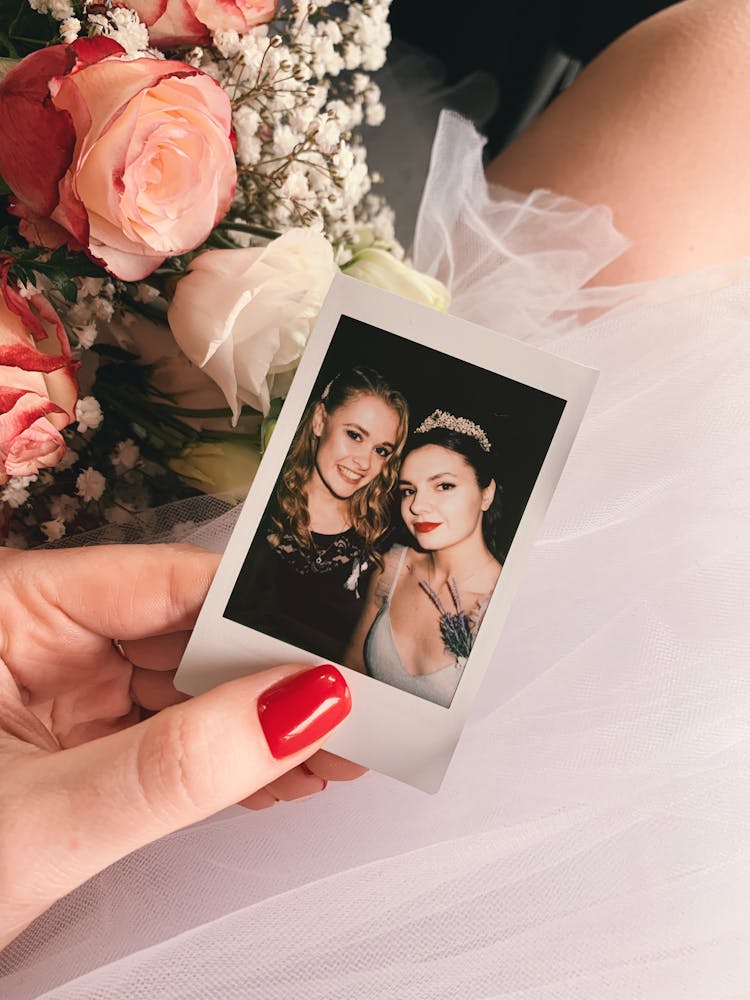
<point>592,837</point>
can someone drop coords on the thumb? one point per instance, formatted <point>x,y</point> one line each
<point>104,799</point>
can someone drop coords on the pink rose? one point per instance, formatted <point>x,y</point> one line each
<point>129,160</point>
<point>192,22</point>
<point>38,388</point>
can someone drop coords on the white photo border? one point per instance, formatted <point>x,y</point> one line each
<point>388,730</point>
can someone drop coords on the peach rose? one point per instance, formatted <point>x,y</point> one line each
<point>192,22</point>
<point>130,160</point>
<point>38,388</point>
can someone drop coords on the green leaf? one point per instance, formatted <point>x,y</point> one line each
<point>4,189</point>
<point>24,30</point>
<point>24,276</point>
<point>266,428</point>
<point>63,284</point>
<point>69,265</point>
<point>275,408</point>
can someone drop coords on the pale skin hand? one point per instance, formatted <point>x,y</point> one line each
<point>81,784</point>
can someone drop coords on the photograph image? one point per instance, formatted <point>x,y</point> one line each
<point>397,503</point>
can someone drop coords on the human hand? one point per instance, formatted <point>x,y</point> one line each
<point>99,754</point>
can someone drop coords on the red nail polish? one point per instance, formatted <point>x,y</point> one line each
<point>300,709</point>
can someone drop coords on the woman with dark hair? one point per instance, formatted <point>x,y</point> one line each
<point>311,558</point>
<point>427,602</point>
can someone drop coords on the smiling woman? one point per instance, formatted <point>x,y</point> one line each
<point>318,544</point>
<point>350,452</point>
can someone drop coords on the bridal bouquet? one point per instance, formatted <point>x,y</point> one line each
<point>179,182</point>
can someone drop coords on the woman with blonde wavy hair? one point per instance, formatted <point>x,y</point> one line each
<point>313,555</point>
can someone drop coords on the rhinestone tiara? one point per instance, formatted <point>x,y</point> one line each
<point>441,418</point>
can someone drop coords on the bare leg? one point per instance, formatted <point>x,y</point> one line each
<point>658,128</point>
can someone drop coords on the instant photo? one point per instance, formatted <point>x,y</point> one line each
<point>390,519</point>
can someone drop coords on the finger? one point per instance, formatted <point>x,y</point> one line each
<point>331,767</point>
<point>150,589</point>
<point>262,799</point>
<point>157,652</point>
<point>296,784</point>
<point>98,728</point>
<point>106,798</point>
<point>154,690</point>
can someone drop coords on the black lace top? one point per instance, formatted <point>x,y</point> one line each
<point>312,599</point>
<point>329,553</point>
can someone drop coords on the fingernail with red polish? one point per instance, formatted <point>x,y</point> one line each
<point>300,709</point>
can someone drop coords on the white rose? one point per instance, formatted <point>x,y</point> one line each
<point>171,372</point>
<point>244,316</point>
<point>378,267</point>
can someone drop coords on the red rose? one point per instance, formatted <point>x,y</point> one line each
<point>129,160</point>
<point>38,387</point>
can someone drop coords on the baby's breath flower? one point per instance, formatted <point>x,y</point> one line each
<point>68,460</point>
<point>90,287</point>
<point>64,508</point>
<point>61,10</point>
<point>126,455</point>
<point>86,334</point>
<point>145,292</point>
<point>88,414</point>
<point>102,309</point>
<point>54,529</point>
<point>70,29</point>
<point>90,485</point>
<point>125,27</point>
<point>16,491</point>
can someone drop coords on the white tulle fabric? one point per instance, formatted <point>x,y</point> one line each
<point>592,837</point>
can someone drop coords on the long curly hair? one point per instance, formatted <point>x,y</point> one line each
<point>369,507</point>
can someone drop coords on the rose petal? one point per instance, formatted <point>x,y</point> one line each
<point>25,410</point>
<point>38,138</point>
<point>91,50</point>
<point>148,11</point>
<point>41,231</point>
<point>39,446</point>
<point>237,15</point>
<point>178,26</point>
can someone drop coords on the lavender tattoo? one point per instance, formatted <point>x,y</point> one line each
<point>455,627</point>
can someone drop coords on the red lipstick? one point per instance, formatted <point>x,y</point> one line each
<point>424,526</point>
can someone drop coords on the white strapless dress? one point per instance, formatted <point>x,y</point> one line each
<point>592,838</point>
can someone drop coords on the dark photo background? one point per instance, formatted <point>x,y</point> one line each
<point>519,420</point>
